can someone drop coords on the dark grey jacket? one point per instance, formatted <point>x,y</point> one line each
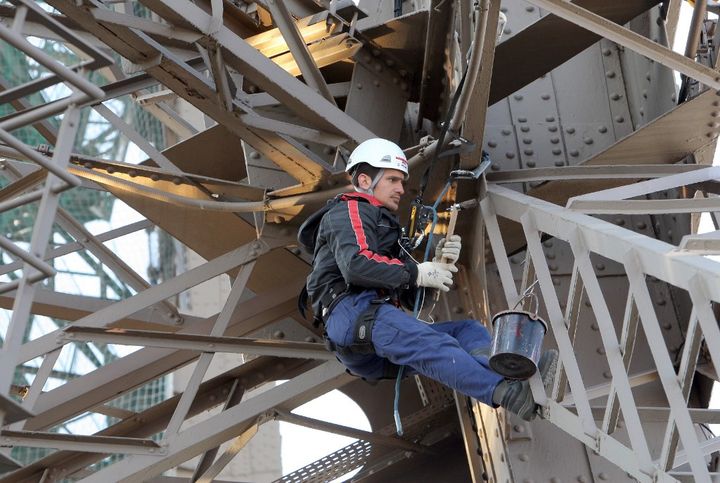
<point>355,239</point>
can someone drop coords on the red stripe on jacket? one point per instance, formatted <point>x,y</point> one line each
<point>357,227</point>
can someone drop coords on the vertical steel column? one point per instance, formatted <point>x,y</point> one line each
<point>41,236</point>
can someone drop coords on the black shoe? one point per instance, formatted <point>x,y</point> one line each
<point>516,396</point>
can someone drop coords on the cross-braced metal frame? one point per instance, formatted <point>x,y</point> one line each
<point>274,150</point>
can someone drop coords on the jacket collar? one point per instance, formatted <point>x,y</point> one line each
<point>354,195</point>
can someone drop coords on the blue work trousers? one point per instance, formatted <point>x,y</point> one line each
<point>440,351</point>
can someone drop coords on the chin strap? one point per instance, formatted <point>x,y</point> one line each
<point>374,183</point>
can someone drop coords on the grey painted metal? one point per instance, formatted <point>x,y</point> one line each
<point>147,364</point>
<point>230,452</point>
<point>30,260</point>
<point>218,329</point>
<point>627,346</point>
<point>388,441</point>
<point>105,317</point>
<point>136,138</point>
<point>631,40</point>
<point>227,424</point>
<point>296,43</point>
<point>93,444</point>
<point>686,373</point>
<point>38,244</point>
<point>199,342</point>
<point>33,155</point>
<point>206,460</point>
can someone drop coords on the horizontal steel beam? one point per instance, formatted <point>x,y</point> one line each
<point>198,342</point>
<point>75,442</point>
<point>644,171</point>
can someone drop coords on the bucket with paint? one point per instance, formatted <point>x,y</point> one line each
<point>517,343</point>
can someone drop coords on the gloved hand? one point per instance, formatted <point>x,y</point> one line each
<point>435,275</point>
<point>450,249</point>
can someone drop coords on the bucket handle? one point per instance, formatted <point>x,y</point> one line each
<point>530,295</point>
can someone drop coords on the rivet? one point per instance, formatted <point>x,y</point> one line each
<point>359,86</point>
<point>715,114</point>
<point>255,155</point>
<point>642,112</point>
<point>553,129</point>
<point>523,457</point>
<point>667,326</point>
<point>570,130</point>
<point>595,327</point>
<point>550,119</point>
<point>615,96</point>
<point>574,153</point>
<point>553,267</point>
<point>601,351</point>
<point>619,119</point>
<point>606,52</point>
<point>506,132</point>
<point>507,31</point>
<point>87,164</point>
<point>610,74</point>
<point>600,266</point>
<point>602,476</point>
<point>154,177</point>
<point>545,97</point>
<point>648,77</point>
<point>525,128</point>
<point>641,226</point>
<point>644,94</point>
<point>581,479</point>
<point>588,141</point>
<point>557,152</point>
<point>529,8</point>
<point>110,170</point>
<point>602,129</point>
<point>555,140</point>
<point>527,141</point>
<point>607,375</point>
<point>278,334</point>
<point>176,181</point>
<point>492,144</point>
<point>530,164</point>
<point>556,281</point>
<point>550,256</point>
<point>620,222</point>
<point>560,163</point>
<point>494,167</point>
<point>548,243</point>
<point>518,97</point>
<point>712,125</point>
<point>661,302</point>
<point>510,155</point>
<point>132,173</point>
<point>522,119</point>
<point>519,428</point>
<point>716,104</point>
<point>529,152</point>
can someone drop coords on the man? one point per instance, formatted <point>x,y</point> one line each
<point>361,276</point>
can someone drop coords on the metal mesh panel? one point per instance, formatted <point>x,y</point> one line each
<point>332,466</point>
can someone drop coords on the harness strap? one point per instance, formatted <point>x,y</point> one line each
<point>362,340</point>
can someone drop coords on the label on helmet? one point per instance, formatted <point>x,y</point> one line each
<point>402,162</point>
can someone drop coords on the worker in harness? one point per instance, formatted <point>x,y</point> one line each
<point>362,277</point>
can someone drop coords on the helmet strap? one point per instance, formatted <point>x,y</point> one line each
<point>373,184</point>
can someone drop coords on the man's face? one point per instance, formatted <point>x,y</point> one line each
<point>389,189</point>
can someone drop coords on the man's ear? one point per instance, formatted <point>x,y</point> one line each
<point>364,181</point>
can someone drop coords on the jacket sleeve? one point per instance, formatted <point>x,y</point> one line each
<point>352,237</point>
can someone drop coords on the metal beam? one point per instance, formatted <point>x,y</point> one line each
<point>224,426</point>
<point>629,39</point>
<point>198,342</point>
<point>75,442</point>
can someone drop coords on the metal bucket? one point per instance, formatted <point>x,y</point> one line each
<point>517,343</point>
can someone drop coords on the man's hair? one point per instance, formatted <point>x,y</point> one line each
<point>364,168</point>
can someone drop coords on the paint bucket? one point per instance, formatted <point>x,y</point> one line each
<point>517,343</point>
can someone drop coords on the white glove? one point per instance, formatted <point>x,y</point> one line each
<point>448,249</point>
<point>435,275</point>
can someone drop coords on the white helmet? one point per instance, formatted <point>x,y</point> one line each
<point>378,153</point>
